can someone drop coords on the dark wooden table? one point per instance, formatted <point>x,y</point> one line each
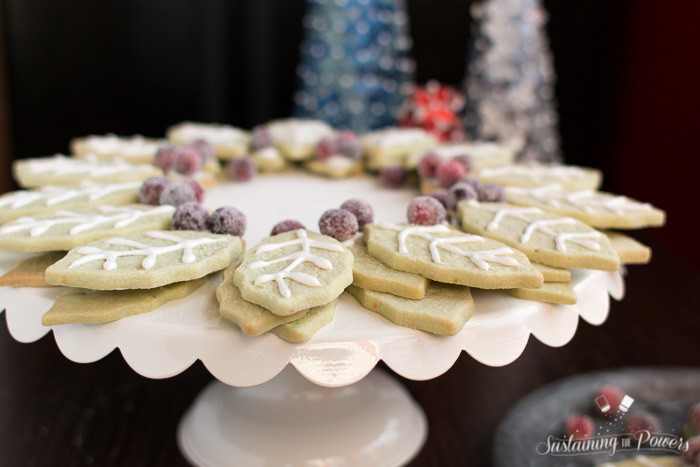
<point>55,412</point>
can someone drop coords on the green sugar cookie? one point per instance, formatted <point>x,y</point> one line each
<point>550,292</point>
<point>294,271</point>
<point>443,254</point>
<point>145,260</point>
<point>304,328</point>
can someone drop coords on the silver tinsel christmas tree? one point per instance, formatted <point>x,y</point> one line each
<point>355,68</point>
<point>510,79</point>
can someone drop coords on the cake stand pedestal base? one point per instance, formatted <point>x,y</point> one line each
<point>293,422</point>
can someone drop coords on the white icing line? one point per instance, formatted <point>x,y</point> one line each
<point>298,257</point>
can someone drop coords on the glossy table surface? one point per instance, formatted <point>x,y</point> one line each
<point>56,412</point>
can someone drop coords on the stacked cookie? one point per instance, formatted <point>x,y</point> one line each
<point>287,284</point>
<point>419,276</point>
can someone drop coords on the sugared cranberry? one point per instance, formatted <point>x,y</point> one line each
<point>425,210</point>
<point>607,401</point>
<point>473,181</point>
<point>393,176</point>
<point>348,145</point>
<point>190,216</point>
<point>151,189</point>
<point>460,192</point>
<point>227,220</point>
<point>242,170</point>
<point>261,138</point>
<point>694,419</point>
<point>326,148</point>
<point>492,193</point>
<point>466,161</point>
<point>340,224</point>
<point>580,427</point>
<point>187,161</point>
<point>692,453</point>
<point>449,172</point>
<point>204,148</point>
<point>427,167</point>
<point>636,423</point>
<point>286,226</point>
<point>361,209</point>
<point>198,190</point>
<point>165,157</point>
<point>441,195</point>
<point>178,193</point>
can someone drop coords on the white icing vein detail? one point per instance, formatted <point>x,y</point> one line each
<point>61,165</point>
<point>149,252</point>
<point>584,239</point>
<point>538,173</point>
<point>480,258</point>
<point>118,216</point>
<point>298,257</point>
<point>53,195</point>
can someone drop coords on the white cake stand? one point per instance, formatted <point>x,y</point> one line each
<point>330,409</point>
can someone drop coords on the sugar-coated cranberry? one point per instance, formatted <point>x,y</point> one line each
<point>242,169</point>
<point>165,157</point>
<point>693,421</point>
<point>349,145</point>
<point>641,421</point>
<point>151,189</point>
<point>427,167</point>
<point>440,194</point>
<point>460,191</point>
<point>286,226</point>
<point>492,193</point>
<point>178,193</point>
<point>361,209</point>
<point>198,190</point>
<point>473,181</point>
<point>187,161</point>
<point>607,401</point>
<point>340,224</point>
<point>190,216</point>
<point>206,150</point>
<point>466,160</point>
<point>393,176</point>
<point>325,148</point>
<point>227,220</point>
<point>692,453</point>
<point>449,172</point>
<point>580,427</point>
<point>425,210</point>
<point>261,138</point>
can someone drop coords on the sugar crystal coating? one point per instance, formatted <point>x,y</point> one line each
<point>361,209</point>
<point>348,145</point>
<point>187,161</point>
<point>261,138</point>
<point>165,157</point>
<point>190,216</point>
<point>340,224</point>
<point>151,189</point>
<point>286,226</point>
<point>178,193</point>
<point>198,190</point>
<point>492,193</point>
<point>637,422</point>
<point>325,148</point>
<point>206,150</point>
<point>473,181</point>
<point>449,172</point>
<point>466,161</point>
<point>425,210</point>
<point>440,194</point>
<point>227,220</point>
<point>242,170</point>
<point>393,176</point>
<point>427,167</point>
<point>460,191</point>
<point>579,427</point>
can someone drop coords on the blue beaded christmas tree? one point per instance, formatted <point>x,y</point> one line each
<point>355,68</point>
